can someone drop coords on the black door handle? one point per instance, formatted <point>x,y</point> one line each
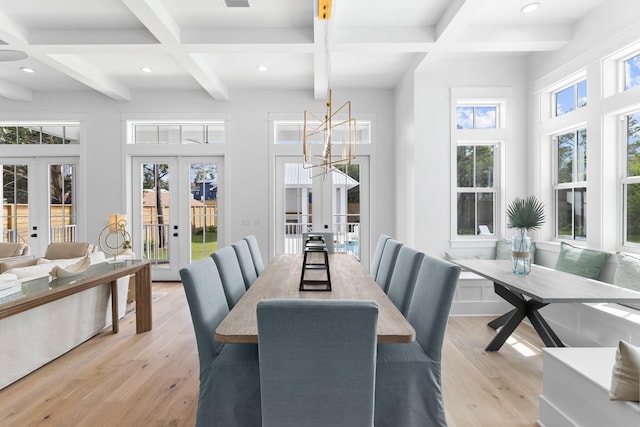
<point>34,235</point>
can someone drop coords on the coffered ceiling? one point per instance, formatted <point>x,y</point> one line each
<point>101,45</point>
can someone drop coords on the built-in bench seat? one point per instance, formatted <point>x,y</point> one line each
<point>576,384</point>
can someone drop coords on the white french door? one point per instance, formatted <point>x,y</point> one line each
<point>175,211</point>
<point>31,184</point>
<point>307,200</point>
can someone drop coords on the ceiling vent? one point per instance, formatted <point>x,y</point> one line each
<point>237,3</point>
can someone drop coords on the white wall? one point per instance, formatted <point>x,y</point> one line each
<point>405,164</point>
<point>247,163</point>
<point>433,178</point>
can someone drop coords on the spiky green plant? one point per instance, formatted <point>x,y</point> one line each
<point>525,213</point>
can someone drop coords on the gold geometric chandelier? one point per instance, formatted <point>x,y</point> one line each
<point>336,127</point>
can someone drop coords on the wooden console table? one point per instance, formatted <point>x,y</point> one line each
<point>37,292</point>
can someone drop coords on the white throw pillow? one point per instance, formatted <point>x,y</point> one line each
<point>625,379</point>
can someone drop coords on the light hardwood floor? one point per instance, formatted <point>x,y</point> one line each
<point>151,379</point>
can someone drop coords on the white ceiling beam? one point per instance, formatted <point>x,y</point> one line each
<point>118,37</point>
<point>451,26</point>
<point>87,73</point>
<point>18,37</point>
<point>250,36</point>
<point>155,16</point>
<point>14,91</point>
<point>321,59</point>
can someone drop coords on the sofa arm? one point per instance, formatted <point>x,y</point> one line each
<point>23,261</point>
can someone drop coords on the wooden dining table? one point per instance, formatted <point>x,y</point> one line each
<point>281,279</point>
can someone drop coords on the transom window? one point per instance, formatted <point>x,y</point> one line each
<point>476,189</point>
<point>292,132</point>
<point>570,98</point>
<point>178,133</point>
<point>632,72</point>
<point>571,184</point>
<point>631,181</point>
<point>477,117</point>
<point>39,133</point>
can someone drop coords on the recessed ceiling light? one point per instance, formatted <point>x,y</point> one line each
<point>146,69</point>
<point>528,8</point>
<point>28,70</point>
<point>12,55</point>
<point>261,68</point>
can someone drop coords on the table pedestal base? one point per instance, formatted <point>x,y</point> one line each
<point>509,321</point>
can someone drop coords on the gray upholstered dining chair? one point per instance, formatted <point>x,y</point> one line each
<point>248,268</point>
<point>403,277</point>
<point>377,254</point>
<point>230,273</point>
<point>255,253</point>
<point>229,373</point>
<point>387,263</point>
<point>317,362</point>
<point>408,376</point>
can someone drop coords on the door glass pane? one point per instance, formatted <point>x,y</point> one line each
<point>633,213</point>
<point>566,144</point>
<point>582,155</point>
<point>52,134</point>
<point>62,212</point>
<point>346,208</point>
<point>297,206</point>
<point>486,118</point>
<point>564,203</point>
<point>466,214</point>
<point>565,100</point>
<point>465,166</point>
<point>15,206</point>
<point>203,209</point>
<point>156,213</point>
<point>485,213</point>
<point>580,213</point>
<point>484,166</point>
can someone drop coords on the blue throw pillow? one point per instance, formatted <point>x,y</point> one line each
<point>579,261</point>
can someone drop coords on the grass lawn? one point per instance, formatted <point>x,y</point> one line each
<point>200,250</point>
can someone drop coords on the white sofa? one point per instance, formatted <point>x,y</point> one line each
<point>35,337</point>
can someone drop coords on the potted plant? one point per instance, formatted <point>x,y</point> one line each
<point>523,215</point>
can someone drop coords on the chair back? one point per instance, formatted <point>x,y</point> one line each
<point>317,362</point>
<point>208,306</point>
<point>255,253</point>
<point>387,263</point>
<point>377,254</point>
<point>403,278</point>
<point>429,309</point>
<point>230,273</point>
<point>245,260</point>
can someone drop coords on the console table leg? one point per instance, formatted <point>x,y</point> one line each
<point>143,299</point>
<point>114,306</point>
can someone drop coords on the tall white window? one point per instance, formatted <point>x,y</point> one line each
<point>571,184</point>
<point>476,189</point>
<point>478,129</point>
<point>631,181</point>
